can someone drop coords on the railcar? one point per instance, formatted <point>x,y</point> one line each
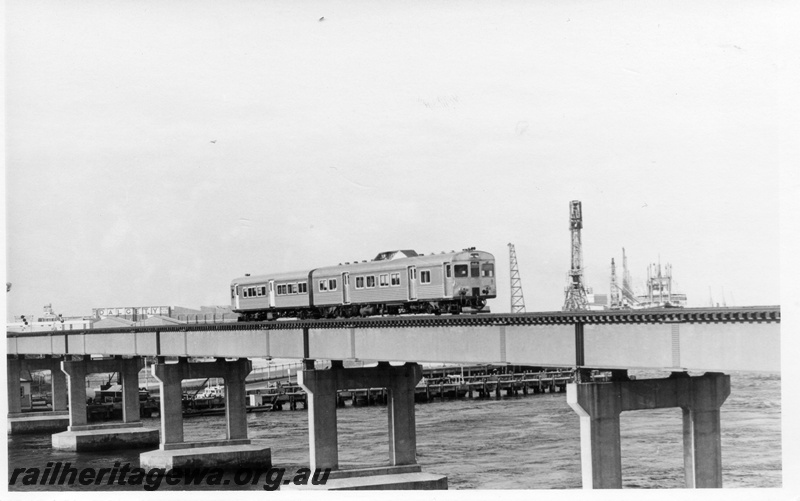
<point>394,283</point>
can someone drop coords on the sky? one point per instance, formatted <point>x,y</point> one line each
<point>157,150</point>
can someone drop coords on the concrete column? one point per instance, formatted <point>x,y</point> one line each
<point>601,456</point>
<point>599,406</point>
<point>321,387</point>
<point>402,422</point>
<point>322,429</point>
<point>169,377</point>
<point>702,449</point>
<point>129,372</point>
<point>58,386</point>
<point>76,383</point>
<point>13,386</point>
<point>235,398</point>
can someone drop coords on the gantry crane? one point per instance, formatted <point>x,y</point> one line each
<point>575,293</point>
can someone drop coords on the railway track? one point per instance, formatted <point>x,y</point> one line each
<point>750,314</point>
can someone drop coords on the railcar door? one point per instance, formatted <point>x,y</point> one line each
<point>272,293</point>
<point>345,288</point>
<point>235,295</point>
<point>447,279</point>
<point>412,283</point>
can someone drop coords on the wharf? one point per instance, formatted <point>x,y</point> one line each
<point>446,385</point>
<point>275,390</point>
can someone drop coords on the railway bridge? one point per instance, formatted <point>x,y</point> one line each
<point>708,340</point>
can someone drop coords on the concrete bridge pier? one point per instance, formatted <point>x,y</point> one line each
<point>402,471</point>
<point>236,450</point>
<point>600,404</point>
<point>82,436</point>
<point>32,422</point>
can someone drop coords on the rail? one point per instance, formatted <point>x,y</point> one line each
<point>750,314</point>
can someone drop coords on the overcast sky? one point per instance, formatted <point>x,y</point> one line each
<point>156,150</point>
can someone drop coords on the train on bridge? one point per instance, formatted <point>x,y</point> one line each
<point>395,282</point>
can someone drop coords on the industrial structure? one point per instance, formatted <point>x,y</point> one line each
<point>615,295</point>
<point>579,297</point>
<point>628,299</point>
<point>575,293</point>
<point>660,290</point>
<point>517,299</point>
<point>128,316</point>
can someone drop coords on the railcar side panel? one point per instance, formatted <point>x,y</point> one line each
<point>429,282</point>
<point>378,293</point>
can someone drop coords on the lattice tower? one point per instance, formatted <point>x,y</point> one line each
<point>517,299</point>
<point>575,293</point>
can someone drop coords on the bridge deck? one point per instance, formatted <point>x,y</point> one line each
<point>710,339</point>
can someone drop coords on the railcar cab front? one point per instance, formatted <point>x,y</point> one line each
<point>470,278</point>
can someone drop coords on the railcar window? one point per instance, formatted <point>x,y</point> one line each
<point>332,284</point>
<point>244,291</point>
<point>395,279</point>
<point>323,285</point>
<point>370,282</point>
<point>302,287</point>
<point>261,291</point>
<point>447,271</point>
<point>462,270</point>
<point>488,269</point>
<point>384,280</point>
<point>294,288</point>
<point>425,276</point>
<point>359,282</point>
<point>475,270</point>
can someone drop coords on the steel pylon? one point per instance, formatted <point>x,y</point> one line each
<point>517,299</point>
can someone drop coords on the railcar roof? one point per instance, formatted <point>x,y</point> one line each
<point>264,278</point>
<point>394,264</point>
<point>366,267</point>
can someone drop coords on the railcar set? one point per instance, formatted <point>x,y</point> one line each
<point>394,283</point>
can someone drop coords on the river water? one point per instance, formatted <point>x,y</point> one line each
<point>525,442</point>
